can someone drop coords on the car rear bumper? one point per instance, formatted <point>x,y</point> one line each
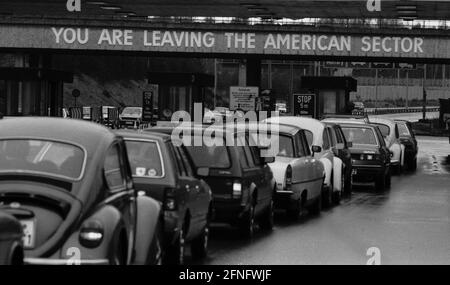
<point>367,172</point>
<point>229,211</point>
<point>54,261</point>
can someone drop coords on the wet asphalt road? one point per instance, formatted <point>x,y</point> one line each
<point>410,224</point>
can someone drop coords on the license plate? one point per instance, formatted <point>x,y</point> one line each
<point>29,233</point>
<point>354,172</point>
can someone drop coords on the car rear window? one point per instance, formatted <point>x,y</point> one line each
<point>385,130</point>
<point>210,156</point>
<point>403,129</point>
<point>145,159</point>
<point>360,135</point>
<point>58,159</point>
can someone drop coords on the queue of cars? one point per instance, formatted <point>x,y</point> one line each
<point>75,192</point>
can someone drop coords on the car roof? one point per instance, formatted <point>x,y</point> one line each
<point>356,125</point>
<point>339,121</point>
<point>383,121</point>
<point>281,128</point>
<point>87,134</point>
<point>143,135</point>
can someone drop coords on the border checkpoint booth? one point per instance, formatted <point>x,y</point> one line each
<point>178,91</point>
<point>323,95</point>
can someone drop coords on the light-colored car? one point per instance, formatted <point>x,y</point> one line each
<point>319,140</point>
<point>299,176</point>
<point>392,137</point>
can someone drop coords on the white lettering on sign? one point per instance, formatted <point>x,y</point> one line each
<point>222,42</point>
<point>304,99</point>
<point>71,35</point>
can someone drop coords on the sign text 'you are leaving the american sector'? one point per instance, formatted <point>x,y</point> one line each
<point>236,42</point>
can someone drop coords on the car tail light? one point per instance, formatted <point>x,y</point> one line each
<point>170,202</point>
<point>288,179</point>
<point>237,189</point>
<point>91,234</point>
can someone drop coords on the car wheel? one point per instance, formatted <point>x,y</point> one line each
<point>349,185</point>
<point>328,198</point>
<point>380,183</point>
<point>294,211</point>
<point>413,164</point>
<point>388,178</point>
<point>337,195</point>
<point>117,257</point>
<point>199,246</point>
<point>267,219</point>
<point>248,223</point>
<point>176,251</point>
<point>158,259</point>
<point>316,208</point>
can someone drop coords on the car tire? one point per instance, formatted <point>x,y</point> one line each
<point>117,257</point>
<point>348,187</point>
<point>199,246</point>
<point>316,208</point>
<point>176,252</point>
<point>247,224</point>
<point>267,219</point>
<point>380,183</point>
<point>388,179</point>
<point>294,212</point>
<point>337,195</point>
<point>327,200</point>
<point>412,165</point>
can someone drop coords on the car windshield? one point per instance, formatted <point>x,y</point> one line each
<point>209,156</point>
<point>385,130</point>
<point>403,130</point>
<point>363,136</point>
<point>132,111</point>
<point>39,156</point>
<point>145,159</point>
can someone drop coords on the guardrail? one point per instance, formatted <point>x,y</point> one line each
<point>396,110</point>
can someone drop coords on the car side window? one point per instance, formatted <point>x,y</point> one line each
<point>339,138</point>
<point>186,162</point>
<point>242,156</point>
<point>332,136</point>
<point>380,137</point>
<point>181,167</point>
<point>114,175</point>
<point>326,139</point>
<point>306,147</point>
<point>300,149</point>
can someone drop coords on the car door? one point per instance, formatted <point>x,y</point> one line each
<point>343,150</point>
<point>315,167</point>
<point>120,186</point>
<point>303,172</point>
<point>384,150</point>
<point>265,177</point>
<point>198,194</point>
<point>327,151</point>
<point>192,187</point>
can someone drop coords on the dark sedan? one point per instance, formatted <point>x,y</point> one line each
<point>69,184</point>
<point>163,171</point>
<point>241,181</point>
<point>408,139</point>
<point>370,155</point>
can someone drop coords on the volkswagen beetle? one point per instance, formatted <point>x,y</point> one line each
<point>69,184</point>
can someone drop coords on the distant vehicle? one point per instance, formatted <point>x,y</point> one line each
<point>408,139</point>
<point>74,195</point>
<point>131,117</point>
<point>241,181</point>
<point>299,176</point>
<point>110,116</point>
<point>370,155</point>
<point>11,246</point>
<point>165,172</point>
<point>341,150</point>
<point>359,105</point>
<point>392,137</point>
<point>321,144</point>
<point>362,119</point>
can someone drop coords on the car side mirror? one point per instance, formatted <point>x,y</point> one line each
<point>349,144</point>
<point>269,159</point>
<point>316,149</point>
<point>203,171</point>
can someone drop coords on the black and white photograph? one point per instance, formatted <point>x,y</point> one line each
<point>226,137</point>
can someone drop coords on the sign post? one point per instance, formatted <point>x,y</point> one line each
<point>305,105</point>
<point>147,103</point>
